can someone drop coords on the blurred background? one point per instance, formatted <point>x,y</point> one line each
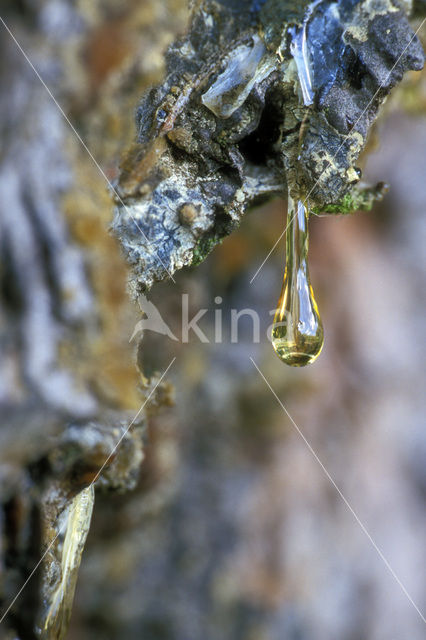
<point>234,531</point>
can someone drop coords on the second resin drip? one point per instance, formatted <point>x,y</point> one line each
<point>297,333</point>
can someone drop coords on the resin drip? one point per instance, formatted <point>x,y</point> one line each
<point>297,334</point>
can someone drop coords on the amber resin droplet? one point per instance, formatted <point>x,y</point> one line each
<point>297,333</point>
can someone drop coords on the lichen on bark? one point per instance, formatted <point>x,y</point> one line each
<point>257,96</point>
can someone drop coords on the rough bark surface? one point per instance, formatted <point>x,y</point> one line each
<point>259,96</point>
<point>69,385</point>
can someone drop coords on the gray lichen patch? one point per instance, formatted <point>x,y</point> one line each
<point>257,97</point>
<point>365,13</point>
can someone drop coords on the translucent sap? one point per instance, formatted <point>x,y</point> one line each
<point>297,334</point>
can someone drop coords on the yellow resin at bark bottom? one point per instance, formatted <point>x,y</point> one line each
<point>297,333</point>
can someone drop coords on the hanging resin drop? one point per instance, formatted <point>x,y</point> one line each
<point>297,333</point>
